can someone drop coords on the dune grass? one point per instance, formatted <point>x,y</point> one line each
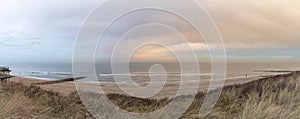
<point>17,100</point>
<point>272,97</point>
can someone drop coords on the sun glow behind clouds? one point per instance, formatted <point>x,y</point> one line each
<point>157,53</point>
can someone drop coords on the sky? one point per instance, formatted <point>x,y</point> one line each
<point>45,31</point>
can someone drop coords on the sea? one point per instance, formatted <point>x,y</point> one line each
<point>139,71</point>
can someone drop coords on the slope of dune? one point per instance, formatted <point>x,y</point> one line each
<point>270,97</point>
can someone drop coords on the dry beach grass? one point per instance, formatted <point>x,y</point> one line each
<point>270,97</point>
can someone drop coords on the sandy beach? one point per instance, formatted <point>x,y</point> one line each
<point>169,90</point>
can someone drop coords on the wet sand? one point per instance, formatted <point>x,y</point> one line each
<point>168,91</point>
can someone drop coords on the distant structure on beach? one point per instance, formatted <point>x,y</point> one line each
<point>5,73</point>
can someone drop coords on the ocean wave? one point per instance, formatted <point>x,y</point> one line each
<point>109,77</point>
<point>146,74</point>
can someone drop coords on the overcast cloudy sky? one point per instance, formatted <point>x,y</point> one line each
<point>45,30</point>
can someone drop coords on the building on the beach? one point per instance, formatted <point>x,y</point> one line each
<point>4,73</point>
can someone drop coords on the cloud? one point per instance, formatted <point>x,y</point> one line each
<point>274,23</point>
<point>249,28</point>
<point>12,39</point>
<point>34,43</point>
<point>33,29</point>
